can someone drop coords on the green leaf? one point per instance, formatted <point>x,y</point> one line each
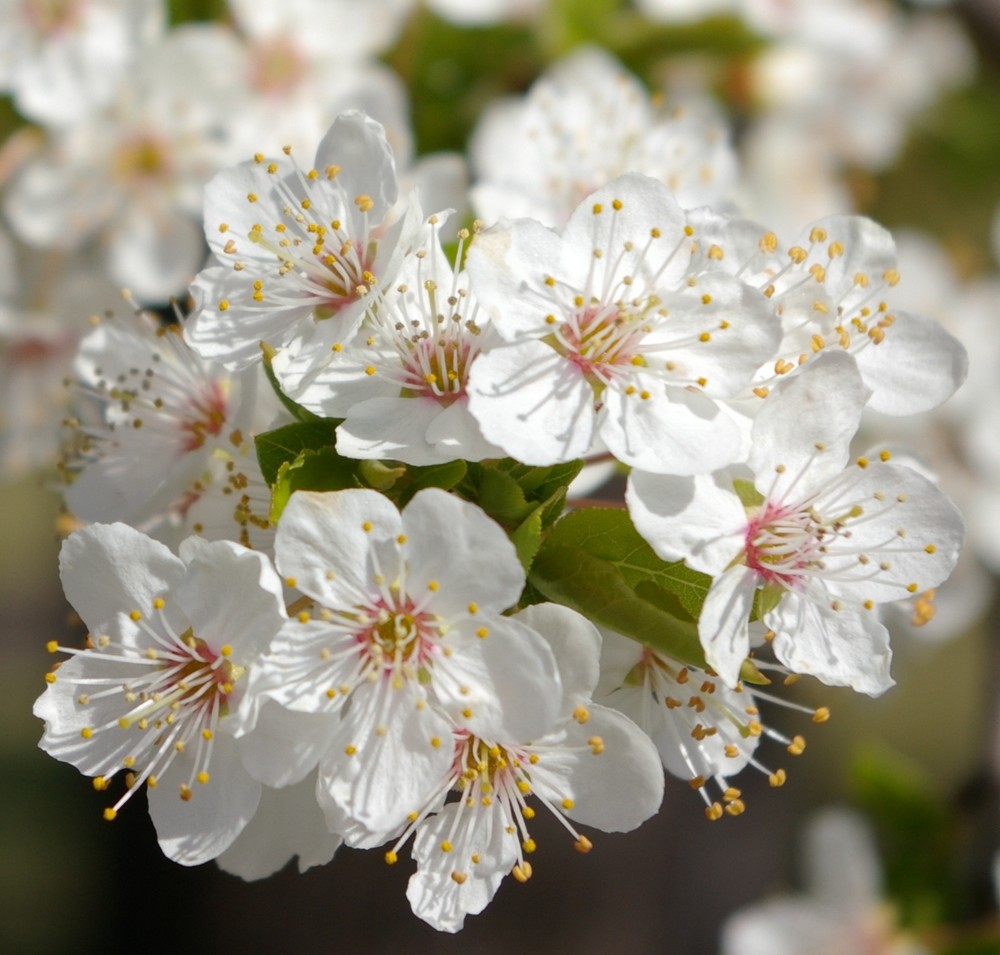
<point>312,470</point>
<point>572,576</point>
<point>284,444</point>
<point>608,533</point>
<point>527,538</point>
<point>502,498</point>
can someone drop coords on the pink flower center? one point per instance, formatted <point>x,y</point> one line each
<point>206,417</point>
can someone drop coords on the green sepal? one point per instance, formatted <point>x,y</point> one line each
<point>748,494</point>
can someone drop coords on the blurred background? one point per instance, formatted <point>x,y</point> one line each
<point>803,108</point>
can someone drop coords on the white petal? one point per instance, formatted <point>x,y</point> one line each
<point>110,570</point>
<point>322,542</point>
<point>193,831</point>
<point>806,425</point>
<point>916,367</point>
<point>576,645</point>
<point>725,616</point>
<point>841,648</point>
<point>533,403</point>
<point>466,555</point>
<point>288,823</point>
<point>673,431</point>
<point>615,790</point>
<point>232,596</point>
<point>699,519</point>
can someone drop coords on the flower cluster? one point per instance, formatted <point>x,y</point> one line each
<point>343,590</point>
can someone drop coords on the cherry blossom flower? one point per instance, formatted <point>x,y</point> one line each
<point>704,731</point>
<point>590,765</point>
<point>158,690</point>
<point>406,639</point>
<point>833,290</point>
<point>305,252</point>
<point>823,540</point>
<point>585,122</point>
<point>612,334</point>
<point>163,440</point>
<point>401,385</point>
<point>133,174</point>
<point>63,59</point>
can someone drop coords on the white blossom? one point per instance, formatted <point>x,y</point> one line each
<point>158,690</point>
<point>823,540</point>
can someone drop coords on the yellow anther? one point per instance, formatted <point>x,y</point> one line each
<point>391,858</point>
<point>482,632</point>
<point>528,813</point>
<point>304,616</point>
<point>817,343</point>
<point>797,254</point>
<point>912,588</point>
<point>529,845</point>
<point>836,249</point>
<point>522,872</point>
<point>52,646</point>
<point>223,226</point>
<point>473,608</point>
<point>568,804</point>
<point>713,812</point>
<point>203,778</point>
<point>100,783</point>
<point>817,234</point>
<point>135,615</point>
<point>891,276</point>
<point>251,197</point>
<point>367,527</point>
<point>821,715</point>
<point>736,808</point>
<point>446,846</point>
<point>597,209</point>
<point>533,758</point>
<point>158,603</point>
<point>654,233</point>
<point>87,732</point>
<point>583,844</point>
<point>715,252</point>
<point>459,877</point>
<point>862,462</point>
<point>185,792</point>
<point>581,714</point>
<point>350,749</point>
<point>224,305</point>
<point>688,231</point>
<point>777,779</point>
<point>797,746</point>
<point>110,814</point>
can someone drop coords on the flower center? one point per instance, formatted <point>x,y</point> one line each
<point>438,368</point>
<point>782,543</point>
<point>143,158</point>
<point>396,633</point>
<point>601,340</point>
<point>277,67</point>
<point>206,415</point>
